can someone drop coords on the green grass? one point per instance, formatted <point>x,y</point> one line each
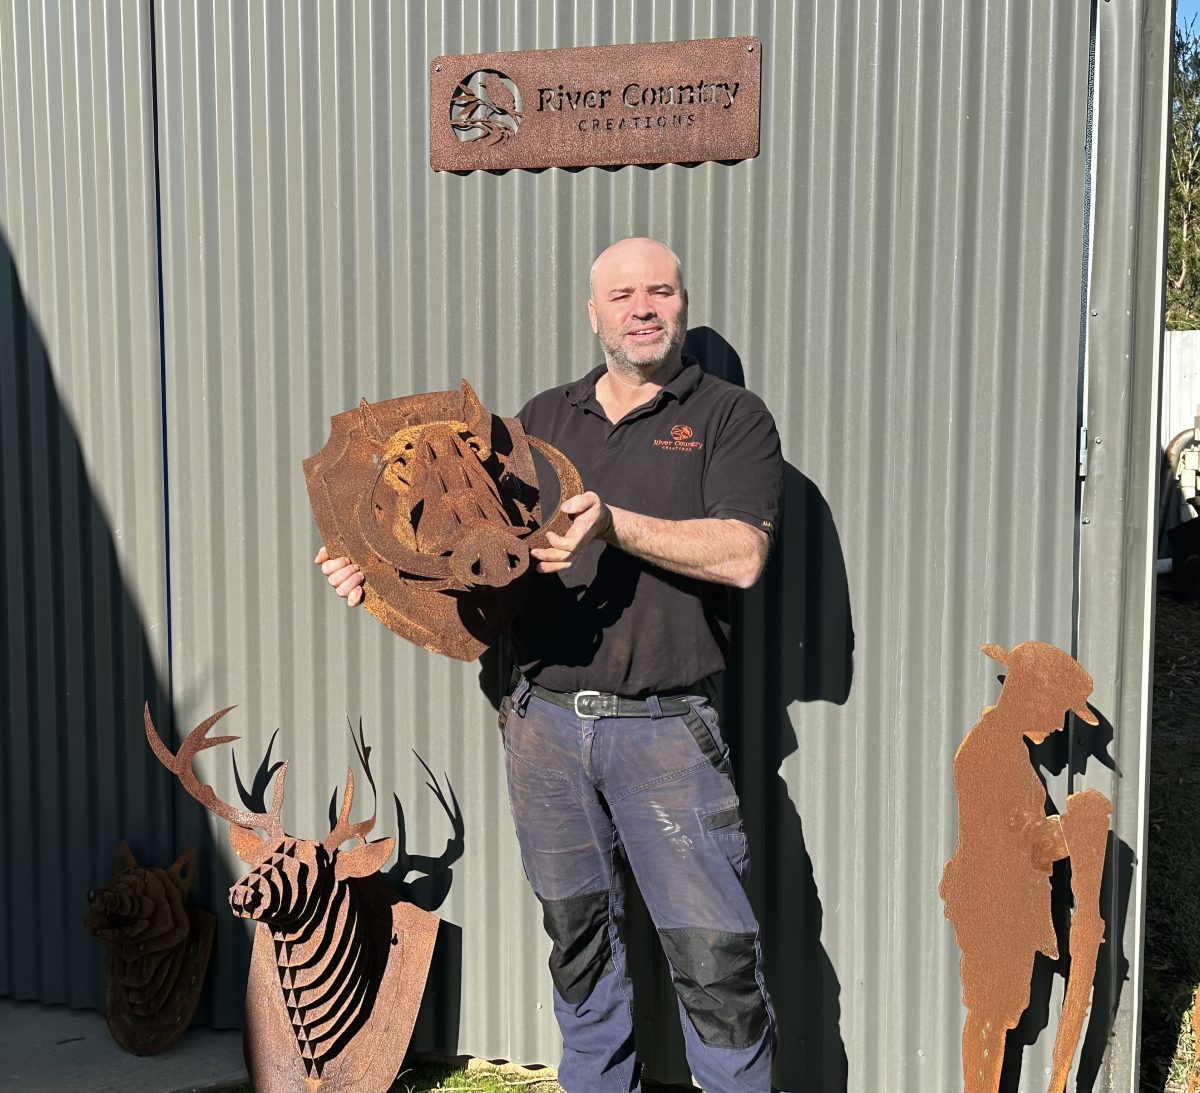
<point>462,1076</point>
<point>477,1077</point>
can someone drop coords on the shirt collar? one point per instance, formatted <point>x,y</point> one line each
<point>680,386</point>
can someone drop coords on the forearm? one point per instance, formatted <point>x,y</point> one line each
<point>1047,841</point>
<point>710,549</point>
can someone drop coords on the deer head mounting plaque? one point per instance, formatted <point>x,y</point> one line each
<point>339,962</point>
<point>996,887</point>
<point>158,948</point>
<point>437,501</point>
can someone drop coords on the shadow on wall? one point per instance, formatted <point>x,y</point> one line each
<point>794,643</point>
<point>1054,755</point>
<point>803,609</point>
<point>76,775</point>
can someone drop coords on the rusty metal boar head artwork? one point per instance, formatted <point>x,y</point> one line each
<point>437,501</point>
<point>158,949</point>
<point>996,887</point>
<point>339,962</point>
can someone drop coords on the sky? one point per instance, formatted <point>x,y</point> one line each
<point>1186,11</point>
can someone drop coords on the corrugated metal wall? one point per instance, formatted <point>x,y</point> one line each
<point>1118,500</point>
<point>1180,383</point>
<point>83,593</point>
<point>898,274</point>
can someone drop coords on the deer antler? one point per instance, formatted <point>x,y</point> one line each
<point>180,764</point>
<point>343,830</point>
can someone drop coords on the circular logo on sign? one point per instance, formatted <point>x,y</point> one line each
<point>486,106</point>
<point>681,432</point>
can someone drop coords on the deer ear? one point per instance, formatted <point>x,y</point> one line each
<point>247,844</point>
<point>363,860</point>
<point>184,869</point>
<point>124,861</point>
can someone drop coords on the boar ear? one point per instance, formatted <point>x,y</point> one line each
<point>247,844</point>
<point>474,414</point>
<point>124,860</point>
<point>371,424</point>
<point>184,869</point>
<point>362,861</point>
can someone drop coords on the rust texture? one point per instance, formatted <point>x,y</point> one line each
<point>339,961</point>
<point>996,887</point>
<point>158,949</point>
<point>437,501</point>
<point>596,106</point>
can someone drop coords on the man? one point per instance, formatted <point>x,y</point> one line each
<point>613,751</point>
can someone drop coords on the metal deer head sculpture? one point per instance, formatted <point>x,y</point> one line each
<point>158,948</point>
<point>437,501</point>
<point>339,963</point>
<point>996,887</point>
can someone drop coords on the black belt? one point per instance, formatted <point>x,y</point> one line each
<point>591,705</point>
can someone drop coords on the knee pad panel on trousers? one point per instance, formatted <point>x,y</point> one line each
<point>582,951</point>
<point>714,973</point>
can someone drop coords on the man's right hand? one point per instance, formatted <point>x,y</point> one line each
<point>346,578</point>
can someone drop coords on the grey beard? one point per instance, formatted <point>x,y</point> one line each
<point>614,353</point>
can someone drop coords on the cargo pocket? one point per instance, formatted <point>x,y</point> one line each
<point>709,743</point>
<point>724,826</point>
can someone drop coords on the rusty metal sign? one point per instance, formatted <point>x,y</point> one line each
<point>996,887</point>
<point>597,106</point>
<point>437,501</point>
<point>339,961</point>
<point>158,949</point>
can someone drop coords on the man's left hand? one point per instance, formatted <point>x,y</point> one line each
<point>591,519</point>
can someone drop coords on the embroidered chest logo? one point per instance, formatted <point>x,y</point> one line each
<point>681,440</point>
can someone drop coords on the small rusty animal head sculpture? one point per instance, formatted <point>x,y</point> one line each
<point>158,949</point>
<point>437,501</point>
<point>339,964</point>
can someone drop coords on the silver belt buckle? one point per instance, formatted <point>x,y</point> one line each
<point>578,712</point>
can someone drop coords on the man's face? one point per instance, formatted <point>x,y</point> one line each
<point>638,306</point>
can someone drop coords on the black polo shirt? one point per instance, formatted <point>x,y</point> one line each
<point>612,622</point>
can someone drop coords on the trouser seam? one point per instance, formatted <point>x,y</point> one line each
<point>662,780</point>
<point>607,857</point>
<point>615,943</point>
<point>554,775</point>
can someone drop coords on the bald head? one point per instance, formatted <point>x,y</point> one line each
<point>638,309</point>
<point>635,250</point>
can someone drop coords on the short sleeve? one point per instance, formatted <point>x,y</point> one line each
<point>744,476</point>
